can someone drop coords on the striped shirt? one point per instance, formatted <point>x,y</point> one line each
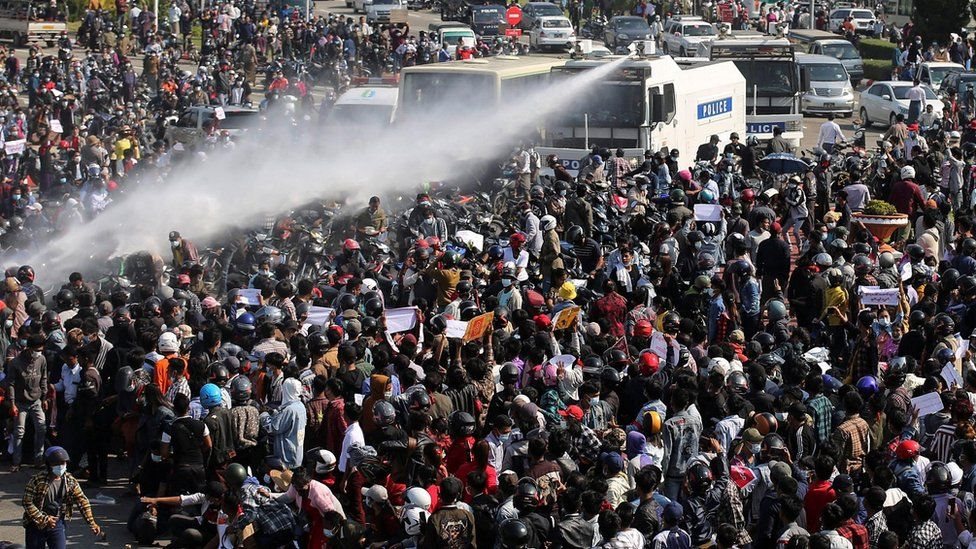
<point>940,443</point>
<point>821,409</point>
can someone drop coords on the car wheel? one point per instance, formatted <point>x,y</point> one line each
<point>891,120</point>
<point>864,118</point>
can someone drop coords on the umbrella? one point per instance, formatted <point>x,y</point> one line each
<point>782,163</point>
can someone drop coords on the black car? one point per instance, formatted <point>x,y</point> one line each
<point>624,29</point>
<point>487,20</point>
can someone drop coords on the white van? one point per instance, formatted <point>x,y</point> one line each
<point>369,107</point>
<point>829,87</point>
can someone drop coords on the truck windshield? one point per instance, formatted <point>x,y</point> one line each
<point>841,51</point>
<point>374,116</point>
<point>488,15</point>
<point>610,105</point>
<point>773,78</point>
<point>434,90</point>
<point>826,73</point>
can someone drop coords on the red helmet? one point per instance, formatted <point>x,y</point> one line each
<point>907,449</point>
<point>434,242</point>
<point>649,363</point>
<point>350,245</point>
<point>748,195</point>
<point>517,239</point>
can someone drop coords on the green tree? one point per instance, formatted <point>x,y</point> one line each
<point>935,19</point>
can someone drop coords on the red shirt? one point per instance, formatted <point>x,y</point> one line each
<point>462,475</point>
<point>906,197</point>
<point>818,496</point>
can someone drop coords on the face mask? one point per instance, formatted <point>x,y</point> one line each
<point>267,479</point>
<point>594,401</point>
<point>174,243</point>
<point>388,395</point>
<point>562,193</point>
<point>781,416</point>
<point>328,533</point>
<point>506,282</point>
<point>265,272</point>
<point>16,197</point>
<point>755,449</point>
<point>504,438</point>
<point>156,458</point>
<point>59,470</point>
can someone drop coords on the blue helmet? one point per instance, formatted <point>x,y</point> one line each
<point>867,386</point>
<point>210,396</point>
<point>245,323</point>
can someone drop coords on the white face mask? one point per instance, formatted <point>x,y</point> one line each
<point>506,282</point>
<point>174,243</point>
<point>156,457</point>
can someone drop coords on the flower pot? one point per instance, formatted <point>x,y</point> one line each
<point>882,226</point>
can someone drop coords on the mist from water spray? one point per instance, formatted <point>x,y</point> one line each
<point>281,169</point>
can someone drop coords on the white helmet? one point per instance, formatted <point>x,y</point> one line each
<point>370,284</point>
<point>414,519</point>
<point>547,222</point>
<point>908,172</point>
<point>719,364</point>
<point>418,497</point>
<point>326,462</point>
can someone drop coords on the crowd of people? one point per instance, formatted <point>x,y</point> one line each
<point>656,380</point>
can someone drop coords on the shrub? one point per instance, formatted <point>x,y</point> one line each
<point>880,207</point>
<point>876,69</point>
<point>876,48</point>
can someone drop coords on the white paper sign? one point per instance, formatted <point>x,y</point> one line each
<point>961,350</point>
<point>401,320</point>
<point>15,147</point>
<point>659,345</point>
<point>456,329</point>
<point>358,399</point>
<point>319,316</point>
<point>56,126</point>
<point>472,239</point>
<point>219,113</point>
<point>888,296</point>
<point>950,375</point>
<point>251,296</point>
<point>708,212</point>
<point>926,404</point>
<point>566,361</point>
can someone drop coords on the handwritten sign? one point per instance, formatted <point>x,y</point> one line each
<point>658,345</point>
<point>565,317</point>
<point>56,126</point>
<point>889,296</point>
<point>15,147</point>
<point>251,296</point>
<point>477,326</point>
<point>219,113</point>
<point>951,376</point>
<point>926,404</point>
<point>319,316</point>
<point>401,319</point>
<point>456,329</point>
<point>708,212</point>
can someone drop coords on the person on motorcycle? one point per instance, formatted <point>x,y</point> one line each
<point>351,259</point>
<point>372,216</point>
<point>183,249</point>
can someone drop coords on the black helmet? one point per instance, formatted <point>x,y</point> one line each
<point>737,382</point>
<point>671,324</point>
<point>765,340</point>
<point>421,254</point>
<point>438,324</point>
<point>915,252</point>
<point>526,495</point>
<point>949,279</point>
<point>862,264</point>
<point>219,374</point>
<point>317,343</point>
<point>235,475</point>
<point>369,324</point>
<point>65,299</point>
<point>461,424</point>
<point>610,377</point>
<point>677,196</point>
<point>862,248</point>
<point>898,368</point>
<point>617,359</point>
<point>383,413</point>
<point>574,234</point>
<point>938,480</point>
<point>944,325</point>
<point>55,455</point>
<point>468,310</point>
<point>419,400</point>
<point>25,274</point>
<point>373,307</point>
<point>509,373</point>
<point>916,318</point>
<point>514,534</point>
<point>699,477</point>
<point>347,301</point>
<point>593,364</point>
<point>240,390</point>
<point>968,246</point>
<point>967,285</point>
<point>464,287</point>
<point>285,288</point>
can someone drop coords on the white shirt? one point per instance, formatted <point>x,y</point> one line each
<point>70,378</point>
<point>174,14</point>
<point>829,133</point>
<point>916,93</point>
<point>354,433</point>
<point>521,262</point>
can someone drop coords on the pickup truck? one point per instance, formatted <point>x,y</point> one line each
<point>191,126</point>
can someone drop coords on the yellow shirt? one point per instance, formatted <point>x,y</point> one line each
<point>123,145</point>
<point>835,297</point>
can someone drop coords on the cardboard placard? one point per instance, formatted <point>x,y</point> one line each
<point>926,404</point>
<point>889,296</point>
<point>477,326</point>
<point>564,318</point>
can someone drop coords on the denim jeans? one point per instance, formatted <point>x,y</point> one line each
<point>52,538</point>
<point>36,413</point>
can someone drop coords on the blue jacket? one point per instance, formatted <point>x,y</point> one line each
<point>287,426</point>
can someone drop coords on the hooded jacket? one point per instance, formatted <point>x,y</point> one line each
<point>378,384</point>
<point>287,426</point>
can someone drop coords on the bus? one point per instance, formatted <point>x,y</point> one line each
<point>486,83</point>
<point>773,83</point>
<point>26,22</point>
<point>647,104</point>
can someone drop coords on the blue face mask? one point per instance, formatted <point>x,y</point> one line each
<point>504,438</point>
<point>594,401</point>
<point>755,449</point>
